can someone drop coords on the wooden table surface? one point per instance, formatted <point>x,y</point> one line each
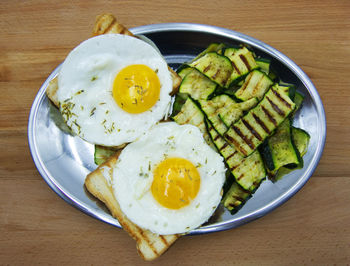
<point>38,227</point>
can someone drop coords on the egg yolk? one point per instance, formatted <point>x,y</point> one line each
<point>176,182</point>
<point>136,88</point>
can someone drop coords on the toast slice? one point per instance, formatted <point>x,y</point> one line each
<point>149,245</point>
<point>105,24</point>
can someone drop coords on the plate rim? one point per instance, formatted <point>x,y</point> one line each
<point>207,29</point>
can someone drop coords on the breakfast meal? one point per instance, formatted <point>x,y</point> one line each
<point>170,147</point>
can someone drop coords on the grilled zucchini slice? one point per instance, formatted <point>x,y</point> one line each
<point>213,107</point>
<point>248,171</point>
<point>184,70</point>
<point>213,47</point>
<point>298,100</point>
<point>180,99</point>
<point>279,149</point>
<point>255,85</point>
<point>197,85</point>
<point>263,64</point>
<point>102,153</point>
<point>216,67</point>
<point>252,129</point>
<point>287,89</point>
<point>191,114</point>
<point>229,116</point>
<point>235,197</point>
<point>301,140</point>
<point>242,61</point>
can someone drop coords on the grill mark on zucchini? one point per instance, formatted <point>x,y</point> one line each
<point>236,144</point>
<point>275,107</point>
<point>224,146</point>
<point>244,60</point>
<point>236,198</point>
<point>239,198</point>
<point>269,116</point>
<point>246,83</point>
<point>281,98</point>
<point>216,138</point>
<point>216,74</point>
<point>243,137</point>
<point>236,68</point>
<point>252,130</point>
<point>240,177</point>
<point>206,69</point>
<point>231,155</point>
<point>189,119</point>
<point>200,124</point>
<point>233,167</point>
<point>257,86</point>
<point>261,123</point>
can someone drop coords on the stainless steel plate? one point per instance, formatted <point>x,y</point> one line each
<point>64,160</point>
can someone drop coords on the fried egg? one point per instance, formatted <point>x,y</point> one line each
<point>112,88</point>
<point>169,181</point>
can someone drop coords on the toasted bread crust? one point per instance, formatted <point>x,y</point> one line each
<point>107,23</point>
<point>149,245</point>
<point>51,91</point>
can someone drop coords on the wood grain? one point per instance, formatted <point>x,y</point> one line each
<point>37,227</point>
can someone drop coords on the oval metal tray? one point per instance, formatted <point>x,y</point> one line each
<point>64,160</point>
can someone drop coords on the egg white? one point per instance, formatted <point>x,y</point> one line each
<point>133,176</point>
<point>85,86</point>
